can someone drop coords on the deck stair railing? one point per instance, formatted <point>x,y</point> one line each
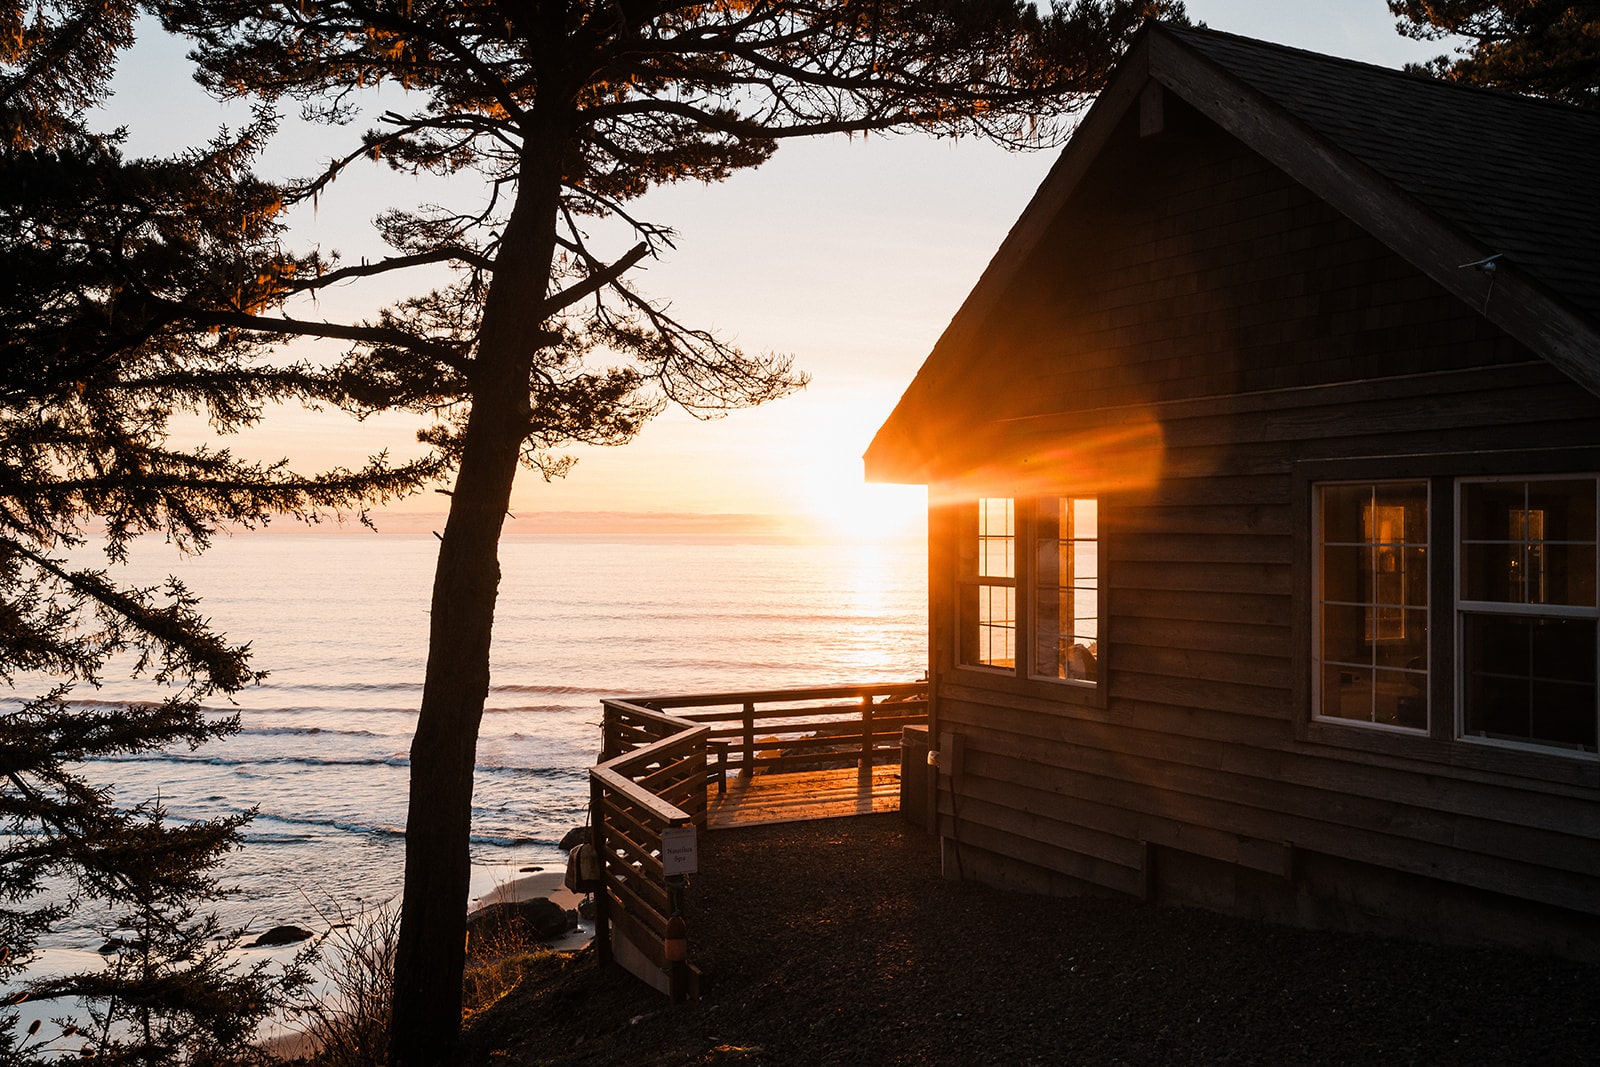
<point>652,779</point>
<point>659,755</point>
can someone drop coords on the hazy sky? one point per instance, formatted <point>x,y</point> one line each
<point>850,255</point>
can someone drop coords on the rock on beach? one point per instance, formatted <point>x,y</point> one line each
<point>539,919</point>
<point>536,907</point>
<point>281,935</point>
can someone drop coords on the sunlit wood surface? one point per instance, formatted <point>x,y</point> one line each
<point>772,798</point>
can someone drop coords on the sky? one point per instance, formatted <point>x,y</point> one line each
<point>850,255</point>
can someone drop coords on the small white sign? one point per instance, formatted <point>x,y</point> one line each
<point>680,850</point>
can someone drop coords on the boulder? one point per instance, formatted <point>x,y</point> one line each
<point>501,927</point>
<point>578,835</point>
<point>281,935</point>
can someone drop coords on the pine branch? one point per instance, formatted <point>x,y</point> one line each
<point>446,254</point>
<point>372,335</point>
<point>596,280</point>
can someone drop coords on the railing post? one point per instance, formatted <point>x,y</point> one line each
<point>749,767</point>
<point>677,957</point>
<point>701,768</point>
<point>866,731</point>
<point>602,897</point>
<point>606,740</point>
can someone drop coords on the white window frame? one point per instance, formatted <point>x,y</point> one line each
<point>981,584</point>
<point>1317,602</point>
<point>1023,583</point>
<point>1075,583</point>
<point>1463,608</point>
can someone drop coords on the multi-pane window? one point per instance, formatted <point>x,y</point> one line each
<point>1527,611</point>
<point>1029,587</point>
<point>1523,668</point>
<point>1066,583</point>
<point>988,593</point>
<point>1372,603</point>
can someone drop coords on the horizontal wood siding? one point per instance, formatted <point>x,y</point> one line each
<point>1260,330</point>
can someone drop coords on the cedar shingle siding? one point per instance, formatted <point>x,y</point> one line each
<point>1190,267</point>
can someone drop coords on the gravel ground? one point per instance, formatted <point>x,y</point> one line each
<point>838,942</point>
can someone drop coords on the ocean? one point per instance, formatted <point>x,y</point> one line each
<point>340,622</point>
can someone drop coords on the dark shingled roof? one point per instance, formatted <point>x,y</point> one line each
<point>1442,173</point>
<point>1518,175</point>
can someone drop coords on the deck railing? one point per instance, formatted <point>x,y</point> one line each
<point>777,730</point>
<point>660,753</point>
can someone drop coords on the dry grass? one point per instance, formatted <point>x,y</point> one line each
<point>502,954</point>
<point>348,1026</point>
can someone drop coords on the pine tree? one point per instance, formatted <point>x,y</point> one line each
<point>1539,47</point>
<point>94,362</point>
<point>565,112</point>
<point>170,992</point>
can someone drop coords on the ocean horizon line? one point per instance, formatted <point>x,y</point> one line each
<point>622,525</point>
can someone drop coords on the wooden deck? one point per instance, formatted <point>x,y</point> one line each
<point>652,783</point>
<point>802,795</point>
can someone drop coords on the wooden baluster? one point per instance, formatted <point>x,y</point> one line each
<point>602,896</point>
<point>866,733</point>
<point>749,767</point>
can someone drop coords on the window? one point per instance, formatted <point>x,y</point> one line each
<point>1034,612</point>
<point>1509,659</point>
<point>1527,611</point>
<point>1371,624</point>
<point>1066,581</point>
<point>988,591</point>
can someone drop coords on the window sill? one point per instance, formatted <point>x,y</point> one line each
<point>1559,770</point>
<point>1060,694</point>
<point>1086,684</point>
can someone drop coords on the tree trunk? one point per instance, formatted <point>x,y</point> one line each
<point>431,954</point>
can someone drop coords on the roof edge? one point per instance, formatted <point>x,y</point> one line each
<point>1120,93</point>
<point>1543,322</point>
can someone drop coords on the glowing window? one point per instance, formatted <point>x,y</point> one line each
<point>988,586</point>
<point>1527,612</point>
<point>1066,582</point>
<point>1371,624</point>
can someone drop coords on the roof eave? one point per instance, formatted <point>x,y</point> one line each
<point>886,459</point>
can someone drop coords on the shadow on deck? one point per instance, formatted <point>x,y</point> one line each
<point>798,796</point>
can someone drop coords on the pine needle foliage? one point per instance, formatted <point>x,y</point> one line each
<point>1537,47</point>
<point>119,274</point>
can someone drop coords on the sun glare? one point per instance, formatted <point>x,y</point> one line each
<point>841,504</point>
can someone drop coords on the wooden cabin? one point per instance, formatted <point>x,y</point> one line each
<point>1264,468</point>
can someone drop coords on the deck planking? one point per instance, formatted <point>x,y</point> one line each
<point>803,795</point>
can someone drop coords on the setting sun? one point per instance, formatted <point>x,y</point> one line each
<point>840,503</point>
